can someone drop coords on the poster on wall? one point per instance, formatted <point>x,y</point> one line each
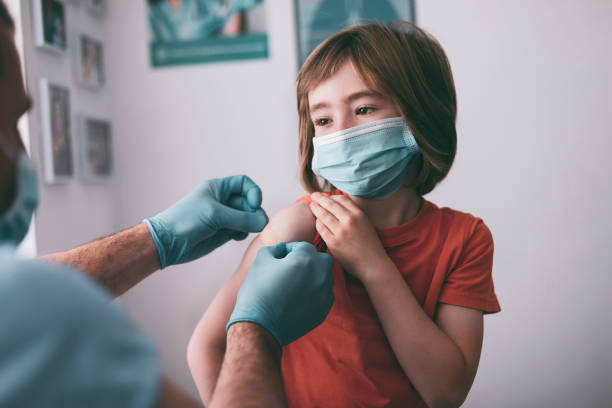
<point>201,31</point>
<point>319,19</point>
<point>97,7</point>
<point>49,21</point>
<point>89,62</point>
<point>55,132</point>
<point>96,151</point>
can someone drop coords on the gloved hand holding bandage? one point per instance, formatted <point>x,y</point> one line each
<point>288,291</point>
<point>213,213</point>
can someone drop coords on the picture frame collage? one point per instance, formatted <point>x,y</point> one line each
<point>94,134</point>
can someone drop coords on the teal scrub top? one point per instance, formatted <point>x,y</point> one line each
<point>64,343</point>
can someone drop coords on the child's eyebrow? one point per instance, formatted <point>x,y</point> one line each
<point>350,98</point>
<point>363,94</point>
<point>317,106</point>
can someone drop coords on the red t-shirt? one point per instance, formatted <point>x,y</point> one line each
<point>445,256</point>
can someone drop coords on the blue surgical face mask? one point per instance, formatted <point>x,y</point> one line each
<point>369,161</point>
<point>15,221</point>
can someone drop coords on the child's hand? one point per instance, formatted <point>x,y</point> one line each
<point>348,233</point>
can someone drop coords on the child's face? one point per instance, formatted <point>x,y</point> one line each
<point>344,101</point>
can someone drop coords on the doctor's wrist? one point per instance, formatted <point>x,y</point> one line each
<point>149,246</point>
<point>247,335</point>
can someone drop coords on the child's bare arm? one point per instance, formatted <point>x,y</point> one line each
<point>207,345</point>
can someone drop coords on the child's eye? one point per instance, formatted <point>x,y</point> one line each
<point>364,110</point>
<point>321,122</point>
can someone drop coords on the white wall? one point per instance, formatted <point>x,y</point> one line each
<point>175,127</point>
<point>533,80</point>
<point>74,212</point>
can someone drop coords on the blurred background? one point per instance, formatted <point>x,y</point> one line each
<point>533,79</point>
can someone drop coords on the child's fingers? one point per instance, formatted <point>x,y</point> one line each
<point>325,216</point>
<point>332,206</point>
<point>325,233</point>
<point>347,203</point>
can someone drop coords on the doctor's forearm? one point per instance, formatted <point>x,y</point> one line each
<point>117,262</point>
<point>251,374</point>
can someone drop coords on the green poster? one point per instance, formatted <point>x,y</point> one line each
<point>201,31</point>
<point>319,19</point>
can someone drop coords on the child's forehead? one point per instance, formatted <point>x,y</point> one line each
<point>346,80</point>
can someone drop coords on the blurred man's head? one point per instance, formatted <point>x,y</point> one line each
<point>14,102</point>
<point>5,17</point>
<point>6,23</point>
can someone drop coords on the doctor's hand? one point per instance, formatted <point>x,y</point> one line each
<point>288,291</point>
<point>213,213</point>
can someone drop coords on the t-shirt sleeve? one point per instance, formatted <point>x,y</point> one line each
<point>317,240</point>
<point>306,199</point>
<point>470,282</point>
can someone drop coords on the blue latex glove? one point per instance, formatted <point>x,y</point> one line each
<point>288,291</point>
<point>215,212</point>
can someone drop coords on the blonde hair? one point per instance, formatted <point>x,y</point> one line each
<point>407,65</point>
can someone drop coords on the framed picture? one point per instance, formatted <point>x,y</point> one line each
<point>203,31</point>
<point>55,132</point>
<point>89,62</point>
<point>96,148</point>
<point>49,22</point>
<point>319,19</point>
<point>97,7</point>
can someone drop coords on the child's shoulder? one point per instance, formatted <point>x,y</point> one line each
<point>294,222</point>
<point>462,223</point>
